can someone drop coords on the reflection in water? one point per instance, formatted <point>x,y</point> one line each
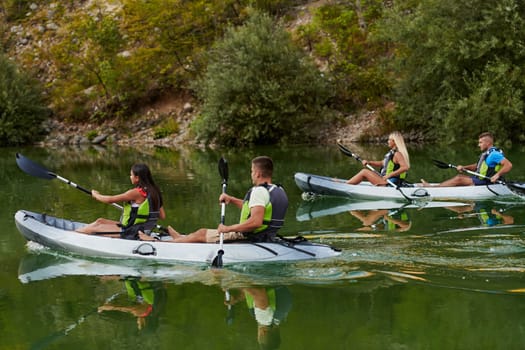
<point>269,306</point>
<point>383,220</point>
<point>145,301</point>
<point>489,213</point>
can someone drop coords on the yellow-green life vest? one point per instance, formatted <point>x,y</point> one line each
<point>389,166</point>
<point>274,213</point>
<point>272,300</point>
<point>140,291</point>
<point>133,215</point>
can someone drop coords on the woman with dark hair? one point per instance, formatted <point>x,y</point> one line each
<point>142,205</point>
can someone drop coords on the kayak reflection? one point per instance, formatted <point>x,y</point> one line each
<point>269,306</point>
<point>324,206</point>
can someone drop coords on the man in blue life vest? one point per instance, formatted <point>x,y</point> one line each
<point>492,164</point>
<point>263,210</point>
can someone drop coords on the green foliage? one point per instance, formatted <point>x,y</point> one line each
<point>259,88</point>
<point>110,61</point>
<point>91,135</point>
<point>14,9</point>
<point>339,34</point>
<point>167,128</point>
<point>22,109</point>
<point>459,67</point>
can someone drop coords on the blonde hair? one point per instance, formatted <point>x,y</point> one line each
<point>400,145</point>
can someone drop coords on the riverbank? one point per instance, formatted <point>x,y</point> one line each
<point>167,123</point>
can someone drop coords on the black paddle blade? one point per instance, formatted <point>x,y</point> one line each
<point>217,261</point>
<point>441,164</point>
<point>223,169</point>
<point>32,168</point>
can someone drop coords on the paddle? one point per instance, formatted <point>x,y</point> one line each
<point>37,170</point>
<point>349,153</point>
<point>518,188</point>
<point>223,171</point>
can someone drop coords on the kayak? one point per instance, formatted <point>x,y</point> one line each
<point>323,185</point>
<point>58,233</point>
<point>325,206</point>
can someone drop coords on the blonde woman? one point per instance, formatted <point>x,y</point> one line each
<point>394,166</point>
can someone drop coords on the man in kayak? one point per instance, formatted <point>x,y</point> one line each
<point>262,211</point>
<point>143,204</point>
<point>492,165</point>
<point>394,166</point>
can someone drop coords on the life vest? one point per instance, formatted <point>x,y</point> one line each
<point>483,168</point>
<point>274,213</point>
<point>140,291</point>
<point>392,226</point>
<point>133,214</point>
<point>389,165</point>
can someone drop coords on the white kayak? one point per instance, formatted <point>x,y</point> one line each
<point>324,185</point>
<point>58,233</point>
<point>324,206</point>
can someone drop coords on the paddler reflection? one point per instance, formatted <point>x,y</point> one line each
<point>145,301</point>
<point>396,220</point>
<point>487,213</point>
<point>270,307</point>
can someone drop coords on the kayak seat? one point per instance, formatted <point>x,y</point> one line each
<point>63,224</point>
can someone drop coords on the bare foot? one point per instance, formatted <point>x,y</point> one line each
<point>174,234</point>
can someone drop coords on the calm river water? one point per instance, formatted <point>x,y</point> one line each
<point>408,278</point>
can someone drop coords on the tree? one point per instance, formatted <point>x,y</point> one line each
<point>22,108</point>
<point>460,67</point>
<point>260,88</point>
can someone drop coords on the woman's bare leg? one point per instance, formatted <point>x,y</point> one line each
<point>366,175</point>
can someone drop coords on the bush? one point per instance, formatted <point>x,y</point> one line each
<point>259,88</point>
<point>166,129</point>
<point>22,108</point>
<point>460,68</point>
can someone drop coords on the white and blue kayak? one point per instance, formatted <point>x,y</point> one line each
<point>59,234</point>
<point>323,185</point>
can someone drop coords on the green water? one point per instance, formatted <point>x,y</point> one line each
<point>441,278</point>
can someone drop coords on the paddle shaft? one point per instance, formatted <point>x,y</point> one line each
<point>72,184</point>
<point>34,169</point>
<point>223,171</point>
<point>475,173</point>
